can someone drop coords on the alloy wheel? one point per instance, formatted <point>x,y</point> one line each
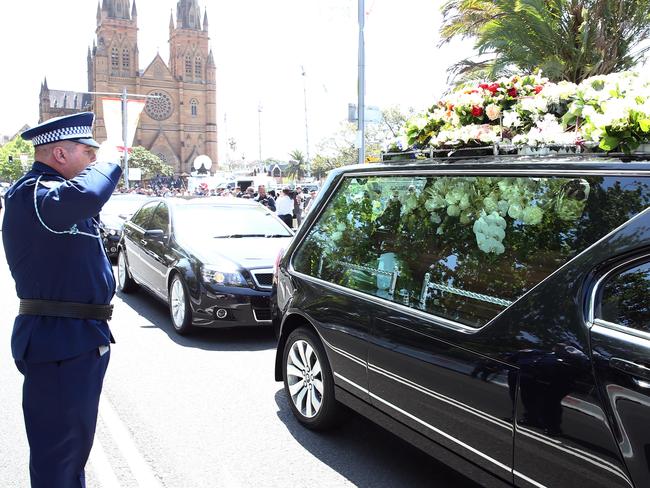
<point>178,303</point>
<point>305,379</point>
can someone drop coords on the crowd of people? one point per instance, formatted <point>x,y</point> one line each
<point>290,205</point>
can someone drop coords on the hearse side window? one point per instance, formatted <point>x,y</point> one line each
<point>625,299</point>
<point>460,247</point>
<point>143,215</point>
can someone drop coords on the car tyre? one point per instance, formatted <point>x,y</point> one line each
<point>179,306</point>
<point>125,283</point>
<point>308,381</point>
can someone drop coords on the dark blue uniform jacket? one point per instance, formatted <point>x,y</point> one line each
<point>62,267</point>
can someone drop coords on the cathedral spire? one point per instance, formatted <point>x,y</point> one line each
<point>205,20</point>
<point>117,9</point>
<point>134,11</point>
<point>99,13</point>
<point>171,20</point>
<point>188,15</point>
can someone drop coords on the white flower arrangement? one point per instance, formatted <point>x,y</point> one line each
<point>612,111</point>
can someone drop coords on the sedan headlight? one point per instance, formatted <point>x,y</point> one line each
<point>222,275</point>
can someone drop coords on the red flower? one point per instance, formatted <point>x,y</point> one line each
<point>493,87</point>
<point>477,111</point>
<point>538,88</point>
<point>484,86</point>
<point>512,92</point>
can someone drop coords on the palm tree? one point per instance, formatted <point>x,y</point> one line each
<point>566,39</point>
<point>296,168</point>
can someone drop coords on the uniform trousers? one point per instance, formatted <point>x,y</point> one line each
<point>60,402</point>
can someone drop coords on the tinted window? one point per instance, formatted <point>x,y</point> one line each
<point>625,299</point>
<point>160,219</point>
<point>218,221</point>
<point>142,216</point>
<point>462,248</point>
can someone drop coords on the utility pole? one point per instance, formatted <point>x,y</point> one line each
<point>361,127</point>
<point>259,128</point>
<point>125,137</point>
<point>304,86</point>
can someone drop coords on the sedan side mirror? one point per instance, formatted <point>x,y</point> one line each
<point>155,234</point>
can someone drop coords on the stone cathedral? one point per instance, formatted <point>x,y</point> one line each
<point>181,123</point>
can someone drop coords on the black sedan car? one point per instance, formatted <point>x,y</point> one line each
<point>210,259</point>
<point>116,211</point>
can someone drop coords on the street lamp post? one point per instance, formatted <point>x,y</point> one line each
<point>361,123</point>
<point>259,129</point>
<point>304,86</point>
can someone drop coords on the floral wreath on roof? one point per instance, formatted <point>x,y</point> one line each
<point>608,113</point>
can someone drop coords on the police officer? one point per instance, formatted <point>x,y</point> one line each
<point>64,280</point>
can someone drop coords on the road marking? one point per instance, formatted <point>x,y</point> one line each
<point>101,467</point>
<point>122,438</point>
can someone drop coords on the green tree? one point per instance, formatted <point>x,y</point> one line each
<point>339,149</point>
<point>566,39</point>
<point>11,167</point>
<point>297,165</point>
<point>150,164</point>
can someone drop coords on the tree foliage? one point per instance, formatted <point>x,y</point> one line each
<point>150,164</point>
<point>11,167</point>
<point>339,149</point>
<point>297,168</point>
<point>566,39</point>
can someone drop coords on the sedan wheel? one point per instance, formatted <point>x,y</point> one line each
<point>125,283</point>
<point>308,380</point>
<point>179,306</point>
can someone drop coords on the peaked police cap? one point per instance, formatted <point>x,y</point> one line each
<point>75,127</point>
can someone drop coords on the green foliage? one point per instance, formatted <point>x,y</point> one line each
<point>150,164</point>
<point>339,149</point>
<point>566,39</point>
<point>297,168</point>
<point>11,171</point>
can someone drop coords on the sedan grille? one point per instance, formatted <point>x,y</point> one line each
<point>263,278</point>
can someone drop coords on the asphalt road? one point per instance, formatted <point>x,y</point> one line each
<point>204,411</point>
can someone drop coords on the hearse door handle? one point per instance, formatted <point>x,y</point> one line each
<point>630,368</point>
<point>143,242</point>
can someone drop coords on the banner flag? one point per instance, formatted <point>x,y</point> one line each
<point>113,120</point>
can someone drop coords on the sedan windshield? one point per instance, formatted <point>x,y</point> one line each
<point>219,221</point>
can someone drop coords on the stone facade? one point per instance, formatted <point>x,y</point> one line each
<point>179,125</point>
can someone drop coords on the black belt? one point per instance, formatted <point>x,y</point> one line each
<point>70,310</point>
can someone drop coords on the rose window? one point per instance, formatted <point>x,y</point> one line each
<point>159,108</point>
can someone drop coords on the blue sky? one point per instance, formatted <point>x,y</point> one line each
<point>259,48</point>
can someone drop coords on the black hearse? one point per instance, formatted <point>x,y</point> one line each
<point>493,312</point>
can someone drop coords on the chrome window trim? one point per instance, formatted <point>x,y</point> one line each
<point>620,332</point>
<point>448,170</point>
<point>261,270</point>
<point>457,326</point>
<point>591,313</point>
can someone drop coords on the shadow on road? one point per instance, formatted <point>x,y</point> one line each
<point>235,339</point>
<point>360,442</point>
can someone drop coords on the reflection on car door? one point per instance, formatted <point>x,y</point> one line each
<point>155,250</point>
<point>620,338</point>
<point>458,398</point>
<point>134,242</point>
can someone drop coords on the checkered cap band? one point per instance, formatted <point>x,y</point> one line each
<point>79,132</point>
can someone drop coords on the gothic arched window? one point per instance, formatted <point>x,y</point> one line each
<point>198,68</point>
<point>115,58</point>
<point>126,59</point>
<point>194,107</point>
<point>188,66</point>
